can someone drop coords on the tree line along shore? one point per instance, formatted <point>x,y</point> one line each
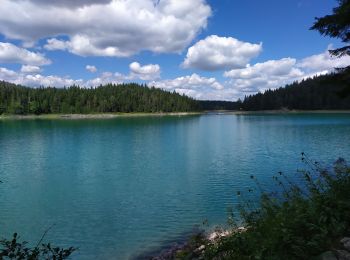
<point>326,92</point>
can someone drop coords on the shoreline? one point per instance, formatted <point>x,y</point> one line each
<point>141,114</point>
<point>93,116</point>
<point>268,112</point>
<point>194,244</point>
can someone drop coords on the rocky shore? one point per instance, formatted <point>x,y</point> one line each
<point>196,244</point>
<point>341,251</point>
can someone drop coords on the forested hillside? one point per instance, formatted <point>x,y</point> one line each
<point>330,91</point>
<point>323,92</point>
<point>15,99</point>
<point>218,105</point>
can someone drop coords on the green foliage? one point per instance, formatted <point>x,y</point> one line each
<point>13,249</point>
<point>322,92</point>
<point>300,222</point>
<point>15,99</point>
<point>336,25</point>
<point>219,105</point>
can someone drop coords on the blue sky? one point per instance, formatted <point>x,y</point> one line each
<point>214,49</point>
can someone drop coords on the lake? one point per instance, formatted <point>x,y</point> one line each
<point>119,188</point>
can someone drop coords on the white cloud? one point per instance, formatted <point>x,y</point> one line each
<point>47,81</point>
<point>262,76</point>
<point>7,75</point>
<point>218,53</point>
<point>271,67</point>
<point>106,78</point>
<point>10,53</point>
<point>30,76</point>
<point>105,28</point>
<point>277,73</point>
<point>194,81</point>
<point>248,80</point>
<point>147,72</point>
<point>30,69</point>
<point>193,85</point>
<point>68,3</point>
<point>272,74</point>
<point>54,44</point>
<point>36,80</point>
<point>323,61</point>
<point>210,94</point>
<point>91,68</point>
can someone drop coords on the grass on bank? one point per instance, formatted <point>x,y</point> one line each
<point>301,221</point>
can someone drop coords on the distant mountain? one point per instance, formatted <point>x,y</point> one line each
<point>327,92</point>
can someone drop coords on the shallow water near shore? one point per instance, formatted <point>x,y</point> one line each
<point>121,187</point>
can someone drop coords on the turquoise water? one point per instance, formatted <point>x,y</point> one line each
<point>118,188</point>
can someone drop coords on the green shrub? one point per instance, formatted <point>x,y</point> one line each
<point>300,222</point>
<point>13,249</point>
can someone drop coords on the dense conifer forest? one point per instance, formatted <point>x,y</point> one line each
<point>327,92</point>
<point>218,105</point>
<point>16,99</point>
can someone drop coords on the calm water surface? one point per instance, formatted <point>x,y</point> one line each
<point>119,188</point>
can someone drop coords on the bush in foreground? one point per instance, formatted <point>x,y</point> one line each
<point>301,221</point>
<point>13,249</point>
